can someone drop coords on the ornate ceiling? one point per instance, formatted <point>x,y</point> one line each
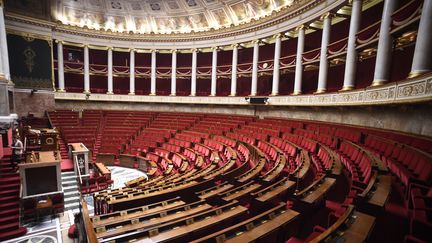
<point>164,16</point>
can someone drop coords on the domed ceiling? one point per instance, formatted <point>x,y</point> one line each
<point>165,16</point>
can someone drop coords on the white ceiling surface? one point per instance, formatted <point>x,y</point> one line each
<point>163,16</point>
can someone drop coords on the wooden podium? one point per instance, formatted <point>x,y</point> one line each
<point>41,174</point>
<point>80,157</point>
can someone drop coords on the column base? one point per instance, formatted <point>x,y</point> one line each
<point>232,95</point>
<point>212,95</point>
<point>192,95</point>
<point>86,92</point>
<point>416,73</point>
<point>378,82</point>
<point>347,88</point>
<point>173,94</point>
<point>320,91</point>
<point>252,94</point>
<point>61,90</point>
<point>297,92</point>
<point>109,92</point>
<point>152,94</point>
<point>131,93</point>
<point>274,94</point>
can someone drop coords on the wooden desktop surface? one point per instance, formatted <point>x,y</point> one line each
<point>184,230</point>
<point>115,219</point>
<point>153,222</point>
<point>382,191</point>
<point>318,192</point>
<point>275,191</point>
<point>103,169</point>
<point>266,228</point>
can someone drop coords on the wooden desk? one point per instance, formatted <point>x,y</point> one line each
<point>127,160</point>
<point>214,191</point>
<point>119,218</point>
<point>360,229</point>
<point>319,191</point>
<point>179,232</point>
<point>276,170</point>
<point>105,158</point>
<point>235,193</point>
<point>266,228</point>
<point>381,194</point>
<point>104,171</point>
<point>153,222</point>
<point>273,190</point>
<point>250,174</point>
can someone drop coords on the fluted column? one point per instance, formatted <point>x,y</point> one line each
<point>234,71</point>
<point>325,40</point>
<point>351,57</point>
<point>276,65</point>
<point>60,67</point>
<point>110,71</point>
<point>423,49</point>
<point>384,52</point>
<point>86,70</point>
<point>3,44</point>
<point>194,72</point>
<point>173,72</point>
<point>132,73</point>
<point>255,68</point>
<point>153,73</point>
<point>214,71</point>
<point>299,61</point>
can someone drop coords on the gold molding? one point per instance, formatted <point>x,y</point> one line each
<point>28,34</point>
<point>416,73</point>
<point>347,88</point>
<point>378,82</point>
<point>320,91</point>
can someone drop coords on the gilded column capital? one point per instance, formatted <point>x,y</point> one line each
<point>215,48</point>
<point>194,49</point>
<point>110,48</point>
<point>327,15</point>
<point>132,50</point>
<point>153,50</point>
<point>301,27</point>
<point>255,42</point>
<point>278,35</point>
<point>235,45</point>
<point>57,41</point>
<point>174,51</point>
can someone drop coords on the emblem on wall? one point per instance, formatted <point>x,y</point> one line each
<point>29,58</point>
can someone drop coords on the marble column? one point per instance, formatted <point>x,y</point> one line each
<point>173,72</point>
<point>110,71</point>
<point>423,48</point>
<point>384,52</point>
<point>153,73</point>
<point>86,70</point>
<point>276,65</point>
<point>3,44</point>
<point>132,73</point>
<point>325,40</point>
<point>214,72</point>
<point>351,57</point>
<point>194,72</point>
<point>299,61</point>
<point>60,67</point>
<point>255,68</point>
<point>234,71</point>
